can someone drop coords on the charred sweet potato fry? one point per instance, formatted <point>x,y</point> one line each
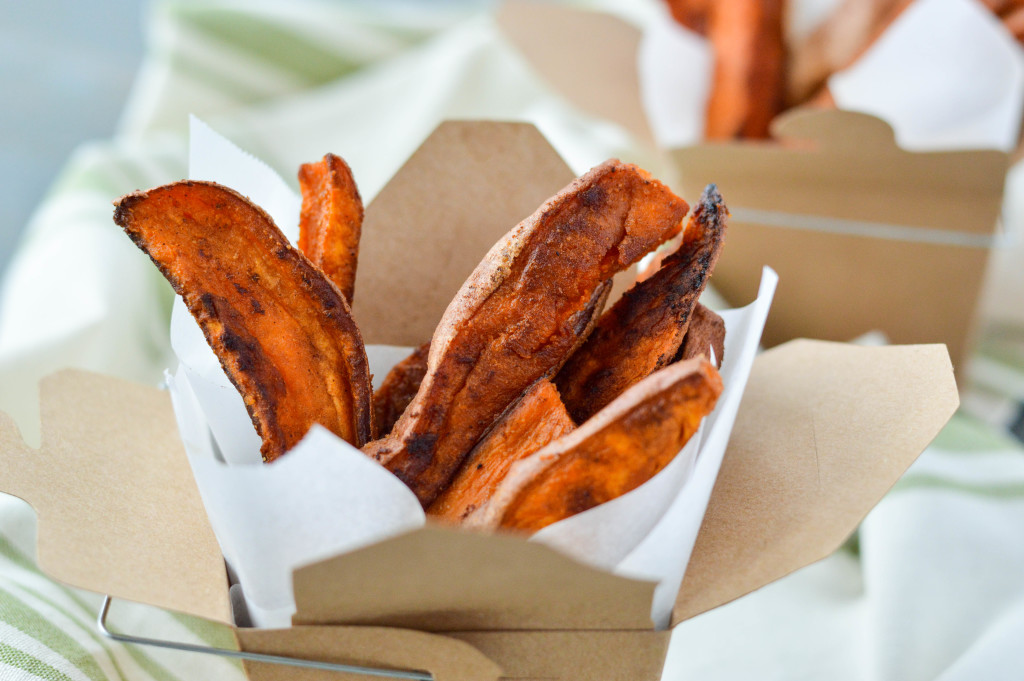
<point>748,82</point>
<point>706,330</point>
<point>398,388</point>
<point>282,331</point>
<point>643,331</point>
<point>619,449</point>
<point>536,419</point>
<point>331,220</point>
<point>521,313</point>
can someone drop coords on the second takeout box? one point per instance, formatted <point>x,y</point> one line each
<point>823,431</point>
<point>865,235</point>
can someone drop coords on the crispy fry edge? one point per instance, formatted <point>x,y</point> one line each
<point>645,329</point>
<point>331,220</point>
<point>415,451</point>
<point>236,350</point>
<point>529,475</point>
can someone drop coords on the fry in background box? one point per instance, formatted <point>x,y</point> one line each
<point>876,222</point>
<point>478,606</point>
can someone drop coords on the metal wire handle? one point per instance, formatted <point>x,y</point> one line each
<point>378,672</point>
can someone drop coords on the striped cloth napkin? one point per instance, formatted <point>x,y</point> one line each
<point>930,589</point>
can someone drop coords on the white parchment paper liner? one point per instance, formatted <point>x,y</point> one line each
<point>270,519</point>
<point>945,75</point>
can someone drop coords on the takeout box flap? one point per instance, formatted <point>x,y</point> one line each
<point>845,164</point>
<point>859,230</point>
<point>426,231</point>
<point>824,430</point>
<point>447,659</point>
<point>119,511</point>
<point>443,579</point>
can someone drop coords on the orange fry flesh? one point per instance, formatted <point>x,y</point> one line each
<point>623,446</point>
<point>282,331</point>
<point>643,331</point>
<point>748,85</point>
<point>693,14</point>
<point>539,417</point>
<point>522,311</point>
<point>331,220</point>
<point>398,388</point>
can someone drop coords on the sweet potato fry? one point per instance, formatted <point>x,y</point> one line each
<point>836,43</point>
<point>706,330</point>
<point>537,418</point>
<point>748,83</point>
<point>282,331</point>
<point>1014,22</point>
<point>331,220</point>
<point>622,447</point>
<point>643,331</point>
<point>521,313</point>
<point>398,388</point>
<point>693,14</point>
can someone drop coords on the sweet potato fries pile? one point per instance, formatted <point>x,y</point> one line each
<point>528,404</point>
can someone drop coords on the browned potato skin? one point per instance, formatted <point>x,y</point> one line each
<point>537,418</point>
<point>398,388</point>
<point>706,330</point>
<point>748,83</point>
<point>621,448</point>
<point>643,331</point>
<point>331,220</point>
<point>520,314</point>
<point>282,331</point>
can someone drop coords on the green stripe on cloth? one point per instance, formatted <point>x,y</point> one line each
<point>85,627</point>
<point>11,553</point>
<point>111,172</point>
<point>32,665</point>
<point>211,633</point>
<point>264,40</point>
<point>965,433</point>
<point>149,665</point>
<point>920,481</point>
<point>199,71</point>
<point>27,620</point>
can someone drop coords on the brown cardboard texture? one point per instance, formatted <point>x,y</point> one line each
<point>118,508</point>
<point>120,514</point>
<point>840,424</point>
<point>465,581</point>
<point>810,455</point>
<point>460,192</point>
<point>864,235</point>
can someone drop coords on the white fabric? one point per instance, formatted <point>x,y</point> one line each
<point>935,594</point>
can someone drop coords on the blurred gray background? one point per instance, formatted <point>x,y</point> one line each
<point>66,67</point>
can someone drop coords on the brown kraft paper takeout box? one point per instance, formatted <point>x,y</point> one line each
<point>823,431</point>
<point>864,235</point>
